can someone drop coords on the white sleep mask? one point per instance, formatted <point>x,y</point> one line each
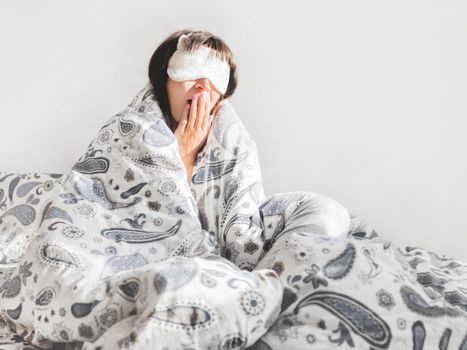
<point>200,63</point>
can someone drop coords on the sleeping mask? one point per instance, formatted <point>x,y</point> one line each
<point>200,63</point>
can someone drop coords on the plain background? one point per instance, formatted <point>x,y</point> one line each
<point>363,101</point>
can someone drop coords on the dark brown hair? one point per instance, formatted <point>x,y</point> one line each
<point>157,71</point>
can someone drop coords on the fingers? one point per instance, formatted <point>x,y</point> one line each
<point>184,121</point>
<point>195,124</point>
<point>210,115</point>
<point>193,112</point>
<point>199,117</point>
<point>202,110</point>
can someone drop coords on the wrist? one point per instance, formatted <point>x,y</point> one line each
<point>190,156</point>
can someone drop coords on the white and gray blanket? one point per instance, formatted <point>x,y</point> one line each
<point>122,252</point>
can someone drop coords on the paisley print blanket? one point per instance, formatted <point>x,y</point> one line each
<point>123,252</point>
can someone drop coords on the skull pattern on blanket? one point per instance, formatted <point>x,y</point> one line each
<point>123,253</point>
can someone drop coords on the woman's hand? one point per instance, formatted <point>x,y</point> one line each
<point>194,127</point>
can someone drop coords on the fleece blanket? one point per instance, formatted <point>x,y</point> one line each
<point>122,252</point>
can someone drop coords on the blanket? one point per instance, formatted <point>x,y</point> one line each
<point>123,252</point>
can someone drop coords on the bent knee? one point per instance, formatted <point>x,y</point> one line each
<point>329,216</point>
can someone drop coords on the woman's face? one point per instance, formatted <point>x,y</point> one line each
<point>179,92</point>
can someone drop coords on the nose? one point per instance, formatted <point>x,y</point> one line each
<point>204,84</point>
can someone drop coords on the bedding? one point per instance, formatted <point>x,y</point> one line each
<point>123,252</point>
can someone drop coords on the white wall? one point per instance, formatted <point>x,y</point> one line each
<point>364,101</point>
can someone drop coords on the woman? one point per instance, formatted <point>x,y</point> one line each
<point>188,97</point>
<point>191,73</point>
